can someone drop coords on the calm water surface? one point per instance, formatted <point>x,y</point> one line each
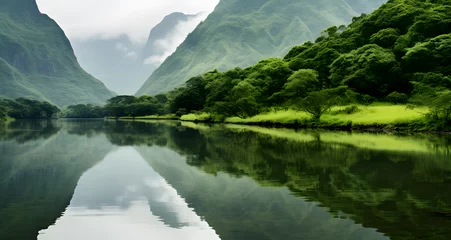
<point>168,180</point>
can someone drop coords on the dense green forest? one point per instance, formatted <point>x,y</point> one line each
<point>37,60</point>
<point>240,33</point>
<point>22,108</point>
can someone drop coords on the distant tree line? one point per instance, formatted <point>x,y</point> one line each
<point>22,108</point>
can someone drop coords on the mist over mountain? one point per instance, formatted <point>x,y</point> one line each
<point>124,64</point>
<point>37,60</point>
<point>240,33</point>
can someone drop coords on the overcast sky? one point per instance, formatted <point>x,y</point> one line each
<point>84,19</point>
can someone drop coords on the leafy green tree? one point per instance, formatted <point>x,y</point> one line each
<point>385,38</point>
<point>319,102</point>
<point>441,110</point>
<point>299,84</point>
<point>397,98</point>
<point>369,70</point>
<point>433,79</point>
<point>116,106</point>
<point>241,103</point>
<point>269,76</point>
<point>431,56</point>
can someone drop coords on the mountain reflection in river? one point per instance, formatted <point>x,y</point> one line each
<point>170,180</point>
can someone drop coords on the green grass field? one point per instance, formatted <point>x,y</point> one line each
<point>366,116</point>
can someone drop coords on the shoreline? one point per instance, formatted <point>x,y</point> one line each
<point>370,128</point>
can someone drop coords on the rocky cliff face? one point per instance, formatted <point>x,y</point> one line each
<point>37,60</point>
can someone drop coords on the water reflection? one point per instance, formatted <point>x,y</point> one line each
<point>124,198</point>
<point>168,180</point>
<point>40,165</point>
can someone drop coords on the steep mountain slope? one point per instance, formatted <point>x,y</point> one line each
<point>37,60</point>
<point>239,33</point>
<point>124,65</point>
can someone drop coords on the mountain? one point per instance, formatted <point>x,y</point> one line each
<point>37,60</point>
<point>239,33</point>
<point>123,64</point>
<point>164,30</point>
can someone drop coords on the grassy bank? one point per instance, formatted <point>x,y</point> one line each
<point>155,117</point>
<point>375,117</point>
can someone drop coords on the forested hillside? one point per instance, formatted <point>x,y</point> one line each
<point>37,60</point>
<point>401,53</point>
<point>240,33</point>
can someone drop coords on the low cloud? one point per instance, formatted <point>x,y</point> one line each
<point>109,19</point>
<point>124,49</point>
<point>169,44</point>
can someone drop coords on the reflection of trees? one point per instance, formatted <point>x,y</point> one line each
<point>403,194</point>
<point>39,172</point>
<point>27,130</point>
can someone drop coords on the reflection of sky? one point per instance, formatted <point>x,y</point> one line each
<point>124,198</point>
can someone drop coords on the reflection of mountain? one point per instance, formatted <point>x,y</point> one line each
<point>238,208</point>
<point>124,198</point>
<point>246,182</point>
<point>39,169</point>
<point>401,193</point>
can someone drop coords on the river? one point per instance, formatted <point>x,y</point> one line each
<point>95,179</point>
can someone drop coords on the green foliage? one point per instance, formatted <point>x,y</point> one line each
<point>397,98</point>
<point>123,106</point>
<point>431,56</point>
<point>385,38</point>
<point>369,70</point>
<point>22,108</point>
<point>319,102</point>
<point>441,110</point>
<point>240,33</point>
<point>83,111</point>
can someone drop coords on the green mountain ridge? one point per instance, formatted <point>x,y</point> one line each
<point>38,62</point>
<point>238,34</point>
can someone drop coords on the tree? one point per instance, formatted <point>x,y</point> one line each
<point>441,110</point>
<point>385,38</point>
<point>369,70</point>
<point>431,56</point>
<point>117,106</point>
<point>319,102</point>
<point>299,84</point>
<point>241,102</point>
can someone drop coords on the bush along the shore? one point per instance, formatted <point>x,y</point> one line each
<point>22,108</point>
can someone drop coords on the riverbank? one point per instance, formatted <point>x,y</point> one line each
<point>154,117</point>
<point>376,118</point>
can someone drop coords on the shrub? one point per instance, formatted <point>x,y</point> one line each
<point>397,98</point>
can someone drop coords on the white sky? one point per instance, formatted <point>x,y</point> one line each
<point>84,19</point>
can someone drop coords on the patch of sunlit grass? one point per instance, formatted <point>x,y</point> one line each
<point>282,117</point>
<point>366,115</point>
<point>196,117</point>
<point>376,115</point>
